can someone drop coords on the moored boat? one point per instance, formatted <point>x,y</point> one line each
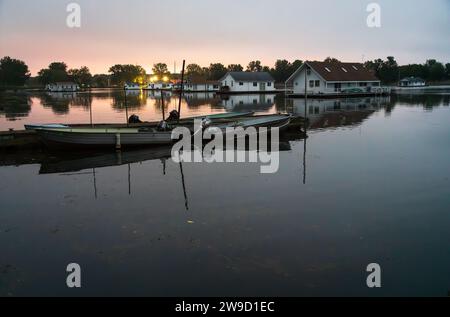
<point>279,121</point>
<point>105,137</point>
<point>45,126</point>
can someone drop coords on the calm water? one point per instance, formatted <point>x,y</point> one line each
<point>109,106</point>
<point>371,184</point>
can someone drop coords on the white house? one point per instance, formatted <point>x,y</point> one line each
<point>195,85</point>
<point>412,82</point>
<point>333,78</point>
<point>62,87</point>
<point>247,82</point>
<point>160,85</point>
<point>132,86</point>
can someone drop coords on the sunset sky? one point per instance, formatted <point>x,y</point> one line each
<point>235,31</point>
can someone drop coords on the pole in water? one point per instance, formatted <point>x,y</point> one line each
<point>181,91</point>
<point>126,107</point>
<point>90,108</point>
<point>162,106</point>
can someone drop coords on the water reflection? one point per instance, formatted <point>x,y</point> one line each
<point>245,234</point>
<point>248,102</point>
<point>14,106</point>
<point>17,109</point>
<point>332,113</point>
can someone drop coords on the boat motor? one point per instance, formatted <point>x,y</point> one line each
<point>206,122</point>
<point>173,116</point>
<point>134,119</point>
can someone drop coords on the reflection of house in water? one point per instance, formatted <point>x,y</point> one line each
<point>249,102</point>
<point>61,102</point>
<point>196,100</point>
<point>326,113</point>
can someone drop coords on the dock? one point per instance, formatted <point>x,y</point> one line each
<point>337,95</point>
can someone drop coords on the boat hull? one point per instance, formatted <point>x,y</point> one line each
<point>68,138</point>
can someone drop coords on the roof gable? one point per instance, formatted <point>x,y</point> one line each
<point>250,76</point>
<point>337,71</point>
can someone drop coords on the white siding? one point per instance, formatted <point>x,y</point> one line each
<point>299,83</point>
<point>236,86</point>
<point>323,86</point>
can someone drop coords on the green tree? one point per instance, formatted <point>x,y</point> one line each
<point>194,70</point>
<point>217,71</point>
<point>56,72</point>
<point>13,72</point>
<point>296,65</point>
<point>447,70</point>
<point>160,70</point>
<point>331,60</point>
<point>413,70</point>
<point>81,76</point>
<point>387,71</point>
<point>100,80</point>
<point>120,74</point>
<point>282,70</point>
<point>235,68</point>
<point>436,70</point>
<point>254,66</point>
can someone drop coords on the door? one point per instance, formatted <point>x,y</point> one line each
<point>262,86</point>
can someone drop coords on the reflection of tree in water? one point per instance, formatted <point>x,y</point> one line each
<point>195,101</point>
<point>426,101</point>
<point>134,101</point>
<point>14,106</point>
<point>60,103</point>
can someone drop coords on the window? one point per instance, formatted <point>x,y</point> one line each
<point>317,83</point>
<point>232,84</point>
<point>269,84</point>
<point>354,67</point>
<point>255,84</point>
<point>362,84</point>
<point>241,83</point>
<point>255,101</point>
<point>327,69</point>
<point>296,83</point>
<point>311,83</point>
<point>344,69</point>
<point>308,71</point>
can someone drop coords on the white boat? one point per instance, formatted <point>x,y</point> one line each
<point>45,126</point>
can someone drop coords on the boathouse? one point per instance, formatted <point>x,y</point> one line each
<point>201,85</point>
<point>412,82</point>
<point>160,85</point>
<point>62,87</point>
<point>333,78</point>
<point>247,82</point>
<point>132,86</point>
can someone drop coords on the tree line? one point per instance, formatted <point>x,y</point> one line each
<point>389,72</point>
<point>15,72</point>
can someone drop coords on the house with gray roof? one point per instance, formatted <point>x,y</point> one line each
<point>247,82</point>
